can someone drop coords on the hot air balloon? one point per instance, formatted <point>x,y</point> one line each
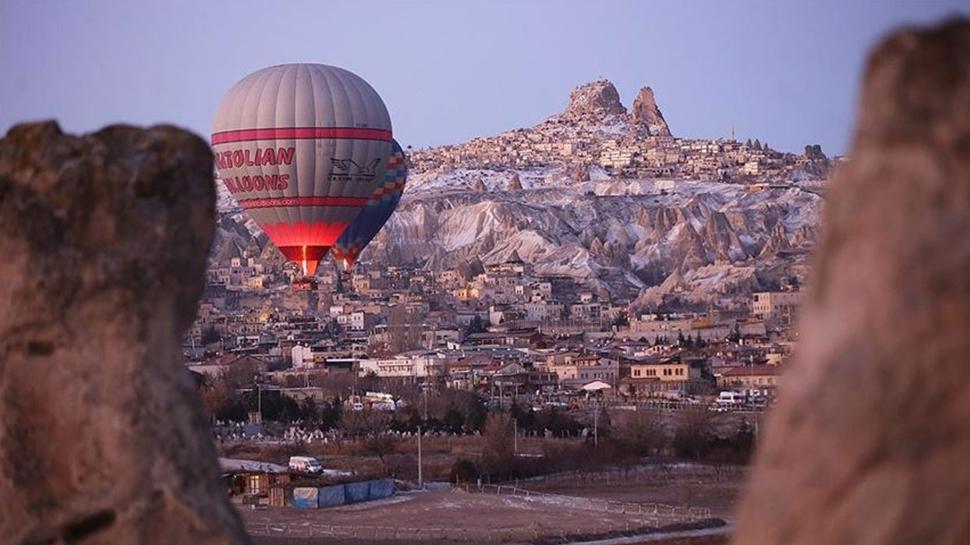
<point>376,212</point>
<point>302,147</point>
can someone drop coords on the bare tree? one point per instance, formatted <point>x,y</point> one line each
<point>381,445</point>
<point>497,454</point>
<point>694,433</point>
<point>642,432</point>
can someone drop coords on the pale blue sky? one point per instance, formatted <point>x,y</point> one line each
<point>783,71</point>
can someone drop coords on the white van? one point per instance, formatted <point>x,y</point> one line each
<point>305,464</point>
<point>731,398</point>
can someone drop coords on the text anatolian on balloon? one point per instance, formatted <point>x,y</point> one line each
<point>258,157</point>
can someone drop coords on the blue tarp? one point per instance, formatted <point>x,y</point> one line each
<point>329,496</point>
<point>355,492</point>
<point>381,488</point>
<point>305,497</point>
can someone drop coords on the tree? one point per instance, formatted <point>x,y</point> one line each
<point>309,411</point>
<point>604,424</point>
<point>454,420</point>
<point>360,424</point>
<point>220,400</point>
<point>331,413</point>
<point>497,454</point>
<point>641,432</point>
<point>693,433</point>
<point>463,471</point>
<point>381,444</point>
<point>475,326</point>
<point>210,335</point>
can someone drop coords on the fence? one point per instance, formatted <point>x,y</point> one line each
<point>655,473</point>
<point>420,534</point>
<point>564,532</point>
<point>653,513</point>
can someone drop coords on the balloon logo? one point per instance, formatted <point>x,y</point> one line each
<point>302,148</point>
<point>376,212</point>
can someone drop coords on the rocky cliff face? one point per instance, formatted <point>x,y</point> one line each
<point>869,442</point>
<point>102,437</point>
<point>628,236</point>
<point>647,114</point>
<point>593,103</point>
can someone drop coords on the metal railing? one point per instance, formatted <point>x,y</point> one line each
<point>656,513</point>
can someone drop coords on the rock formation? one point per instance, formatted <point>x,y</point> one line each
<point>593,103</point>
<point>870,440</point>
<point>647,114</point>
<point>102,436</point>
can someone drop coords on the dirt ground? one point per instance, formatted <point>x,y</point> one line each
<point>719,496</point>
<point>449,517</point>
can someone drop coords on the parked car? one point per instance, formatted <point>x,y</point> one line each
<point>305,464</point>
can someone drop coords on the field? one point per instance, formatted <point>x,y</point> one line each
<point>561,491</point>
<point>555,512</point>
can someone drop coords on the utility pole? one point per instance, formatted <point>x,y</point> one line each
<point>596,420</point>
<point>515,436</point>
<point>424,391</point>
<point>259,398</point>
<point>420,474</point>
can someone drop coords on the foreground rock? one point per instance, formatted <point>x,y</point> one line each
<point>870,442</point>
<point>103,241</point>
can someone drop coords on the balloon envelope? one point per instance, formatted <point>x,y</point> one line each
<point>302,147</point>
<point>376,212</point>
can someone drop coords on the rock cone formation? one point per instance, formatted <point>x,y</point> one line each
<point>102,436</point>
<point>870,440</point>
<point>647,114</point>
<point>593,103</point>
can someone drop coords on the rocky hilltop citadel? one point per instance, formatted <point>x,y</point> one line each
<point>605,195</point>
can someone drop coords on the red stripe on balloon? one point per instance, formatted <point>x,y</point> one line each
<point>302,233</point>
<point>298,133</point>
<point>303,201</point>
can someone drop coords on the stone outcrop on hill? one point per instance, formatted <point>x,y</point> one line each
<point>593,103</point>
<point>102,436</point>
<point>647,114</point>
<point>870,440</point>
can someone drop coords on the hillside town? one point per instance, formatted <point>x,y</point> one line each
<point>502,332</point>
<point>596,130</point>
<point>501,328</point>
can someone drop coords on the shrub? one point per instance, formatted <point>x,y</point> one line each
<point>463,471</point>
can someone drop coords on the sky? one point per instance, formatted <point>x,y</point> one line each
<point>786,72</point>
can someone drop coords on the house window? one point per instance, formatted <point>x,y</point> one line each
<point>254,484</point>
